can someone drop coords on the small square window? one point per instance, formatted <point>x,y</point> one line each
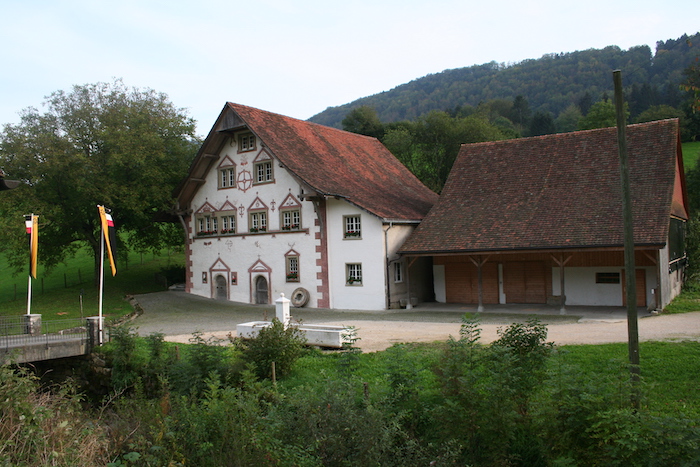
<point>246,142</point>
<point>263,172</point>
<point>207,225</point>
<point>292,269</point>
<point>228,225</point>
<point>291,219</point>
<point>352,227</point>
<point>607,277</point>
<point>258,221</point>
<point>227,178</point>
<point>353,273</point>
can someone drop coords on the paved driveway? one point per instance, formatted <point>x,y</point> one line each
<point>178,315</point>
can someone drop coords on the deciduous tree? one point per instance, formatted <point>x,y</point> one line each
<point>103,143</point>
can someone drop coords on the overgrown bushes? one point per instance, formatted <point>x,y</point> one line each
<point>517,402</point>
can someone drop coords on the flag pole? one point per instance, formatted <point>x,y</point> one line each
<point>29,295</point>
<point>102,281</point>
<point>31,229</point>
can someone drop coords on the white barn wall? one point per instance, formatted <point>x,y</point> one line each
<point>581,288</point>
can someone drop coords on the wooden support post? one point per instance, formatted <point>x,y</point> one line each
<point>479,262</point>
<point>561,262</point>
<point>630,276</point>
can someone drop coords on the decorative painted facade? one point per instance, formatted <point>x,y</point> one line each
<point>278,205</point>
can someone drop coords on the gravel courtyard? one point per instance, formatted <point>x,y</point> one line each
<point>178,315</point>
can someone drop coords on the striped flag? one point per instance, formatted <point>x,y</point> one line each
<point>31,223</point>
<point>110,237</point>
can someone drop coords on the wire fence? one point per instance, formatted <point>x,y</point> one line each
<point>16,331</point>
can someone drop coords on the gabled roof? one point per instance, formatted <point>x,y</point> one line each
<point>557,191</point>
<point>329,161</point>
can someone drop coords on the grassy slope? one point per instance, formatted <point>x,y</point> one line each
<point>691,153</point>
<point>669,370</point>
<point>62,288</point>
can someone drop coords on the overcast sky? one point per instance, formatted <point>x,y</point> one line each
<point>297,57</point>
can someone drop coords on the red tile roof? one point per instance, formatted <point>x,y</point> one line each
<point>332,162</point>
<point>556,191</point>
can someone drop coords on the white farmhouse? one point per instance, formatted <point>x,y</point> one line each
<point>275,205</point>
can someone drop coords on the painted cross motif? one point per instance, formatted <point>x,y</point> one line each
<point>245,180</point>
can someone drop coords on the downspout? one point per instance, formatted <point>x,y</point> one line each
<point>387,263</point>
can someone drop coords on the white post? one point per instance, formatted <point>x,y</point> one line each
<point>102,281</point>
<point>282,310</point>
<point>29,295</point>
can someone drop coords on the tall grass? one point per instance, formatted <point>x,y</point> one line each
<point>69,291</point>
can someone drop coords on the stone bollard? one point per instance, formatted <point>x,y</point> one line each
<point>282,310</point>
<point>32,324</point>
<point>93,325</point>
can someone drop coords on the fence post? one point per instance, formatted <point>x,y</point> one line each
<point>32,324</point>
<point>93,325</point>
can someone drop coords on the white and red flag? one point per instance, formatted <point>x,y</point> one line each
<point>31,223</point>
<point>110,237</point>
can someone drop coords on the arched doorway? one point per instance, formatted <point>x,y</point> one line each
<point>221,291</point>
<point>261,292</point>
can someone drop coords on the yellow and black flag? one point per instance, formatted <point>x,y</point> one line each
<point>110,237</point>
<point>31,222</point>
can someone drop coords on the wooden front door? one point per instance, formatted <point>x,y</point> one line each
<point>641,287</point>
<point>261,293</point>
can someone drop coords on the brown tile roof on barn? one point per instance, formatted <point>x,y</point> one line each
<point>331,162</point>
<point>556,191</point>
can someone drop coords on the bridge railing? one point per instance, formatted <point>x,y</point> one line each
<point>16,331</point>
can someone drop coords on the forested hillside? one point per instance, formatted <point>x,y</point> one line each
<point>549,84</point>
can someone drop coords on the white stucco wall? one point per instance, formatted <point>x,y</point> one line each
<point>581,288</point>
<point>367,250</point>
<point>241,252</point>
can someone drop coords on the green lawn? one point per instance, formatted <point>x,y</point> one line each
<point>58,294</point>
<point>691,153</point>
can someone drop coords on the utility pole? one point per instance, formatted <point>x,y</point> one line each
<point>630,276</point>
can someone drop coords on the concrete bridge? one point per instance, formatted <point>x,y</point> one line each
<point>26,339</point>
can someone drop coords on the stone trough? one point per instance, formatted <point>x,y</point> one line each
<point>320,335</point>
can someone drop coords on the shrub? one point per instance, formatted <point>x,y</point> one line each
<point>274,343</point>
<point>40,428</point>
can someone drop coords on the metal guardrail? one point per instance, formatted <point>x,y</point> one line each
<point>16,332</point>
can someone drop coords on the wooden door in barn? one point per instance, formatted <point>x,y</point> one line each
<point>641,287</point>
<point>525,281</point>
<point>462,283</point>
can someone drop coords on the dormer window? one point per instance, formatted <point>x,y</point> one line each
<point>246,142</point>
